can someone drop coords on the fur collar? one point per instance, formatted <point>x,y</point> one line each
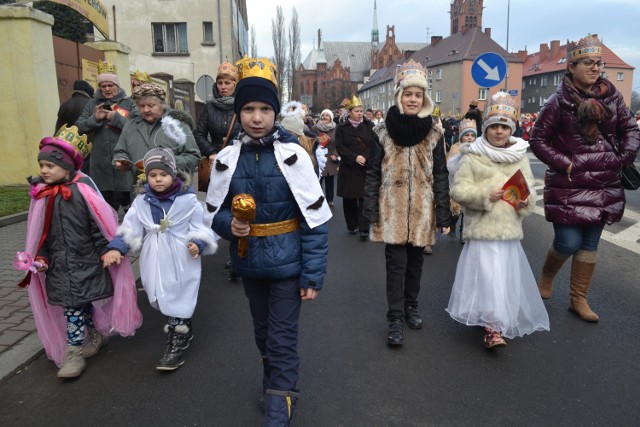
<point>407,130</point>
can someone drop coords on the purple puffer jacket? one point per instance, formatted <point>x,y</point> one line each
<point>593,193</point>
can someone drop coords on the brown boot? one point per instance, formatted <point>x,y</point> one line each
<point>552,264</point>
<point>582,268</point>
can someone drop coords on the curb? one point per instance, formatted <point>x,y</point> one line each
<point>19,355</point>
<point>13,219</point>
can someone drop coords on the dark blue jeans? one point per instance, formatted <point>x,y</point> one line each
<point>275,308</point>
<point>569,239</point>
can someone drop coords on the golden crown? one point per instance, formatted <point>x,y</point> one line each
<point>503,105</point>
<point>436,111</point>
<point>257,67</point>
<point>586,46</point>
<point>410,68</point>
<point>229,69</point>
<point>106,67</point>
<point>72,137</point>
<point>353,103</point>
<point>141,77</point>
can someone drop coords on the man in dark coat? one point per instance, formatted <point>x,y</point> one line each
<point>70,110</point>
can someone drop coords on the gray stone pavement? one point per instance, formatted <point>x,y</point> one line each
<point>19,342</point>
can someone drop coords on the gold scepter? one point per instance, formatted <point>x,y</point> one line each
<point>243,207</point>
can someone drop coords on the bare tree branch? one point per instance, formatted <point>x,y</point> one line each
<point>294,51</point>
<point>279,49</point>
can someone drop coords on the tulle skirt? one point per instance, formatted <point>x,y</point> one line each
<point>494,287</point>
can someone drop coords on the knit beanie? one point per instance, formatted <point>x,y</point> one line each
<point>160,158</point>
<point>252,89</point>
<point>56,155</point>
<point>329,112</point>
<point>108,77</point>
<point>293,117</point>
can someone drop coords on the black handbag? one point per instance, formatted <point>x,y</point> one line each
<point>629,175</point>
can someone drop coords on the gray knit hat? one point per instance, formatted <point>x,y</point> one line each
<point>160,158</point>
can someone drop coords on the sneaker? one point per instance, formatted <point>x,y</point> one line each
<point>355,231</point>
<point>93,342</point>
<point>364,236</point>
<point>395,337</point>
<point>73,364</point>
<point>493,339</point>
<point>413,318</point>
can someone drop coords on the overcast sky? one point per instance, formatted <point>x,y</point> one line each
<point>530,22</point>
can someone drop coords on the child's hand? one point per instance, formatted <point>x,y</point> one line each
<point>522,204</point>
<point>194,250</point>
<point>239,227</point>
<point>43,266</point>
<point>308,294</point>
<point>112,257</point>
<point>496,195</point>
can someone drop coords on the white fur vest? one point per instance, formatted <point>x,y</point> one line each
<point>406,207</point>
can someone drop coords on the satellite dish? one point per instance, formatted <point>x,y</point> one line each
<point>204,87</point>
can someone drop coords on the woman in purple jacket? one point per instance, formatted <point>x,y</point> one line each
<point>583,192</point>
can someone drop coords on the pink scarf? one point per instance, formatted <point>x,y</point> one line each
<point>118,314</point>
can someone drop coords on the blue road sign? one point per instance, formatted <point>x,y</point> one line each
<point>488,69</point>
<point>513,92</point>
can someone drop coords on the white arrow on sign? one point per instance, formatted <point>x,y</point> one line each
<point>492,73</point>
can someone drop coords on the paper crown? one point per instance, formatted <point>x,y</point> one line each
<point>141,77</point>
<point>468,125</point>
<point>353,103</point>
<point>257,67</point>
<point>586,46</point>
<point>501,109</point>
<point>229,69</point>
<point>106,67</point>
<point>436,111</point>
<point>410,68</point>
<point>74,144</point>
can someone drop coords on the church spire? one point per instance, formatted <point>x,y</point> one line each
<point>374,31</point>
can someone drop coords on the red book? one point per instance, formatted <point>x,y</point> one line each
<point>515,189</point>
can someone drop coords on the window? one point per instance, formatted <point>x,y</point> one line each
<point>543,81</point>
<point>542,101</point>
<point>207,33</point>
<point>439,74</point>
<point>620,76</point>
<point>524,84</point>
<point>170,38</point>
<point>557,79</point>
<point>482,93</point>
<point>438,96</point>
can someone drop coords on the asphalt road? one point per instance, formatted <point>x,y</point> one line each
<point>575,375</point>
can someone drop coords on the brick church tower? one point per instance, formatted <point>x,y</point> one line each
<point>465,14</point>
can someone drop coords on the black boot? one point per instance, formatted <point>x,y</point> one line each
<point>413,318</point>
<point>173,356</point>
<point>396,330</point>
<point>279,407</point>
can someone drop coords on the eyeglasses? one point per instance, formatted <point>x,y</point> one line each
<point>589,63</point>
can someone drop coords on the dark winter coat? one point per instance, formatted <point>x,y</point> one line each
<point>73,248</point>
<point>105,138</point>
<point>72,108</point>
<point>214,121</point>
<point>352,142</point>
<point>592,194</point>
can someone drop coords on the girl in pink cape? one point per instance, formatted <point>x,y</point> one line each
<point>76,302</point>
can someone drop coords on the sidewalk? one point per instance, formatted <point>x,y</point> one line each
<point>19,342</point>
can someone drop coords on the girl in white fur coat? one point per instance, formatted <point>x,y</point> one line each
<point>494,286</point>
<point>165,223</point>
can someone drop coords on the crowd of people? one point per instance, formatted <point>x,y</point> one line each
<point>405,176</point>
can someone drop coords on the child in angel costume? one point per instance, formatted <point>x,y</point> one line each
<point>494,286</point>
<point>165,224</point>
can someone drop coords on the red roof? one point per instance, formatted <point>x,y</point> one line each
<point>533,65</point>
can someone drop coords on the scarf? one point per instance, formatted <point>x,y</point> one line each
<point>354,123</point>
<point>223,102</point>
<point>326,127</point>
<point>591,107</point>
<point>175,188</point>
<point>511,153</point>
<point>266,140</point>
<point>407,130</point>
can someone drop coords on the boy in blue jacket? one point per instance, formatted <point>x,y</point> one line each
<point>285,257</point>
